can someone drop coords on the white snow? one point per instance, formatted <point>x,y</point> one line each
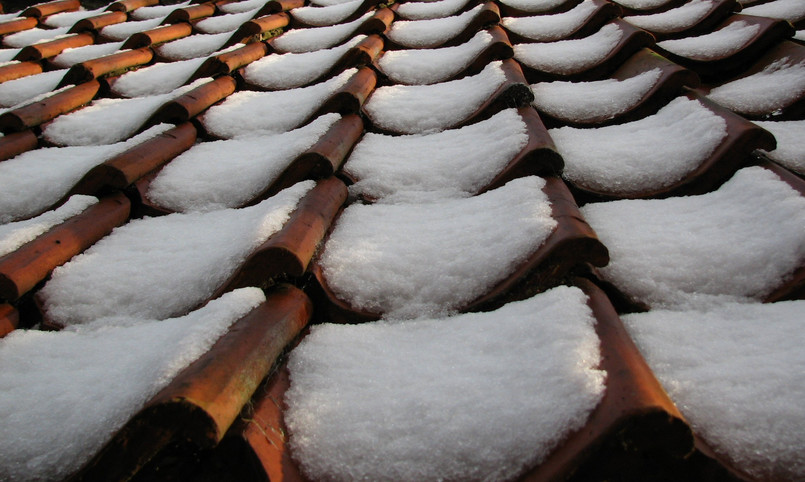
<point>327,3</point>
<point>533,6</point>
<point>481,396</point>
<point>286,71</point>
<point>791,10</point>
<point>122,31</point>
<point>70,391</point>
<point>34,180</point>
<point>800,35</point>
<point>642,4</point>
<point>242,6</point>
<point>120,118</point>
<point>159,78</point>
<point>428,259</point>
<point>646,154</point>
<point>164,266</point>
<point>737,243</point>
<point>549,28</point>
<point>281,111</point>
<point>33,36</point>
<point>790,150</point>
<point>300,40</point>
<point>15,234</point>
<point>198,45</point>
<point>570,56</point>
<point>7,56</point>
<point>324,16</point>
<point>428,66</point>
<point>157,11</point>
<point>451,163</point>
<point>431,33</point>
<point>70,57</point>
<point>421,109</point>
<point>17,91</point>
<point>581,101</point>
<point>674,19</point>
<point>68,19</point>
<point>715,45</point>
<point>779,84</point>
<point>428,10</point>
<point>735,373</point>
<point>192,181</point>
<point>224,23</point>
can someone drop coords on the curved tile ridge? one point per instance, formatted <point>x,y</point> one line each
<point>599,99</point>
<point>790,151</point>
<point>684,252</point>
<point>550,28</point>
<point>430,10</point>
<point>549,340</point>
<point>419,109</point>
<point>408,240</point>
<point>451,163</point>
<point>431,33</point>
<point>77,374</point>
<point>325,16</point>
<point>675,19</point>
<point>730,369</point>
<point>570,56</point>
<point>300,40</point>
<point>172,262</point>
<point>715,45</point>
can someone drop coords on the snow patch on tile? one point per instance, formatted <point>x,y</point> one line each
<point>17,91</point>
<point>570,56</point>
<point>550,28</point>
<point>157,11</point>
<point>642,4</point>
<point>422,34</point>
<point>70,57</point>
<point>429,10</point>
<point>316,38</point>
<point>33,36</point>
<point>790,151</point>
<point>533,6</point>
<point>198,45</point>
<point>324,16</point>
<point>68,19</point>
<point>715,45</point>
<point>224,23</point>
<point>122,31</point>
<point>242,6</point>
<point>156,79</point>
<point>778,85</point>
<point>791,10</point>
<point>675,19</point>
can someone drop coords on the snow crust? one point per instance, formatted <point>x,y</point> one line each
<point>392,258</point>
<point>694,251</point>
<point>286,71</point>
<point>70,391</point>
<point>715,45</point>
<point>281,111</point>
<point>33,181</point>
<point>779,84</point>
<point>581,101</point>
<point>550,28</point>
<point>192,181</point>
<point>157,11</point>
<point>198,45</point>
<point>324,16</point>
<point>675,19</point>
<point>300,40</point>
<point>122,31</point>
<point>32,36</point>
<point>791,10</point>
<point>428,66</point>
<point>159,78</point>
<point>70,57</point>
<point>570,56</point>
<point>17,91</point>
<point>790,151</point>
<point>156,268</point>
<point>68,19</point>
<point>429,10</point>
<point>431,33</point>
<point>734,373</point>
<point>422,109</point>
<point>80,128</point>
<point>435,419</point>
<point>224,23</point>
<point>533,6</point>
<point>451,163</point>
<point>14,235</point>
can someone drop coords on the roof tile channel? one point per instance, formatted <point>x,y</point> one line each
<point>444,182</point>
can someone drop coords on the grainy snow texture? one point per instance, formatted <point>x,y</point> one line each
<point>698,250</point>
<point>790,151</point>
<point>428,10</point>
<point>198,45</point>
<point>122,31</point>
<point>70,391</point>
<point>392,259</point>
<point>644,155</point>
<point>281,111</point>
<point>33,181</point>
<point>428,66</point>
<point>675,19</point>
<point>13,235</point>
<point>192,181</point>
<point>287,71</point>
<point>70,57</point>
<point>420,109</point>
<point>791,10</point>
<point>434,418</point>
<point>17,91</point>
<point>533,6</point>
<point>715,45</point>
<point>642,4</point>
<point>242,6</point>
<point>600,99</point>
<point>157,11</point>
<point>120,119</point>
<point>156,79</point>
<point>324,16</point>
<point>549,28</point>
<point>736,374</point>
<point>452,163</point>
<point>32,36</point>
<point>570,56</point>
<point>164,266</point>
<point>422,34</point>
<point>224,23</point>
<point>300,40</point>
<point>778,85</point>
<point>68,19</point>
